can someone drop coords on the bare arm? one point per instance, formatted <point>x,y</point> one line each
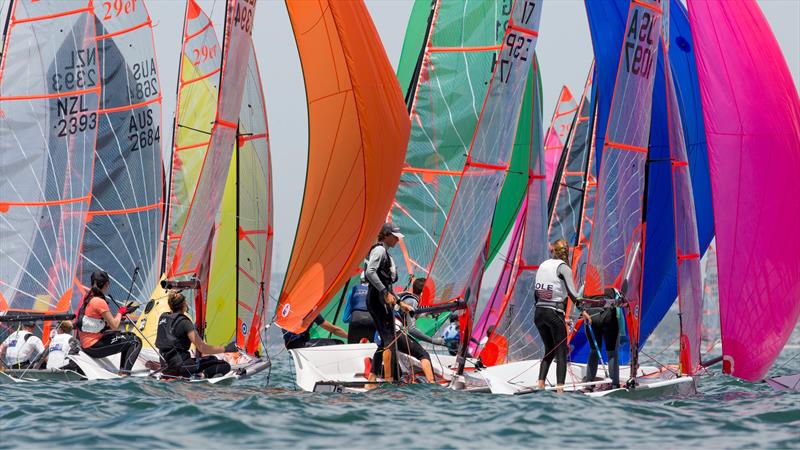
<point>327,326</point>
<point>112,321</point>
<point>202,347</point>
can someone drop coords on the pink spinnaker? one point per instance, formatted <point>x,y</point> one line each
<point>557,133</point>
<point>752,117</point>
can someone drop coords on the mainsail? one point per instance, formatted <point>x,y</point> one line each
<point>752,116</point>
<point>358,131</point>
<point>615,256</point>
<point>124,219</point>
<point>49,99</point>
<point>465,236</point>
<point>193,248</point>
<point>687,248</point>
<point>567,201</point>
<point>510,313</point>
<point>446,96</point>
<point>556,136</point>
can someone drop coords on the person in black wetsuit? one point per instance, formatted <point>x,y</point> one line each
<point>381,273</point>
<point>175,335</point>
<point>301,340</point>
<point>554,285</point>
<point>605,328</point>
<point>408,335</point>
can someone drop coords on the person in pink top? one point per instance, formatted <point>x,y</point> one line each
<point>98,329</point>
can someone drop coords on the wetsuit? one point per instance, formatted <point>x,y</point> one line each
<point>605,328</point>
<point>357,316</point>
<point>381,273</point>
<point>301,340</point>
<point>172,340</point>
<point>553,285</point>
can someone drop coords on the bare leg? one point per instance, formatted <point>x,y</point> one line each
<point>387,365</point>
<point>540,384</point>
<point>427,369</point>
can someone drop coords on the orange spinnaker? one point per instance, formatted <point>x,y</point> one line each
<point>358,131</point>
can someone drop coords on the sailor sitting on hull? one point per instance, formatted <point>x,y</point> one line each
<point>98,330</point>
<point>174,337</point>
<point>356,314</point>
<point>62,344</point>
<point>553,285</point>
<point>302,340</point>
<point>21,348</point>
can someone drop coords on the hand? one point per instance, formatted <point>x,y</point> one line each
<point>586,317</point>
<point>231,348</point>
<point>438,341</point>
<point>569,323</point>
<point>406,307</point>
<point>390,299</point>
<point>128,308</point>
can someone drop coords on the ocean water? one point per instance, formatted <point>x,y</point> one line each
<point>142,413</point>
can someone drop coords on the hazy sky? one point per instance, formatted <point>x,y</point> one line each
<point>564,48</point>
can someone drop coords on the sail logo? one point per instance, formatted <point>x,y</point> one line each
<point>285,310</point>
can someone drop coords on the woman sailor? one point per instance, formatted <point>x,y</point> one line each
<point>98,329</point>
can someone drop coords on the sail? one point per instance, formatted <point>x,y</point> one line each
<point>615,256</point>
<point>556,135</point>
<point>357,156</point>
<point>124,220</point>
<point>752,117</point>
<point>468,224</point>
<point>574,175</point>
<point>710,301</point>
<point>445,103</point>
<point>49,100</point>
<point>515,321</point>
<point>687,248</point>
<point>192,252</point>
<point>198,84</point>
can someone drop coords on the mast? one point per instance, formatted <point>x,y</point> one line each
<point>412,89</point>
<point>5,29</point>
<point>236,160</point>
<point>168,181</point>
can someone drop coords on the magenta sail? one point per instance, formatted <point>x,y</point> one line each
<point>556,136</point>
<point>752,115</point>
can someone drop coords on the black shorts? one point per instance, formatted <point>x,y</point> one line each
<point>409,346</point>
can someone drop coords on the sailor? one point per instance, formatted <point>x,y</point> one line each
<point>553,285</point>
<point>62,344</point>
<point>452,335</point>
<point>98,330</point>
<point>357,315</point>
<point>21,348</point>
<point>408,335</point>
<point>381,273</point>
<point>604,330</point>
<point>302,340</point>
<point>174,337</point>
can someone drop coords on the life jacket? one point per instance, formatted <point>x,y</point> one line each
<point>358,300</point>
<point>550,290</point>
<point>58,350</point>
<point>166,340</point>
<point>387,271</point>
<point>89,324</point>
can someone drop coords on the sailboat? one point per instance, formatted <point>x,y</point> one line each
<point>357,157</point>
<point>92,198</point>
<point>556,135</point>
<point>236,207</point>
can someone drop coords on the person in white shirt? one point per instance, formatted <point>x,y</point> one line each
<point>63,343</point>
<point>21,348</point>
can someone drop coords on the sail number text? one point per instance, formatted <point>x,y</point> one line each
<point>80,72</point>
<point>145,80</point>
<point>141,132</point>
<point>74,116</point>
<point>243,16</point>
<point>519,49</point>
<point>640,44</point>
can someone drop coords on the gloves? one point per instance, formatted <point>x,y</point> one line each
<point>129,308</point>
<point>231,348</point>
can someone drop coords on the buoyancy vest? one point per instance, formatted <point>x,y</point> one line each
<point>60,346</point>
<point>89,324</point>
<point>167,341</point>
<point>358,299</point>
<point>550,290</point>
<point>387,271</point>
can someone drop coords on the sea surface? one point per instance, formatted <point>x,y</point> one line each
<point>267,411</point>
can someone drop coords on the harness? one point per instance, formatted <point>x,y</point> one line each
<point>89,324</point>
<point>166,340</point>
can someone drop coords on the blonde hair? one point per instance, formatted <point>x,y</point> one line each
<point>560,249</point>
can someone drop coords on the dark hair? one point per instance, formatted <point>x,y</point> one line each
<point>99,281</point>
<point>418,285</point>
<point>175,300</point>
